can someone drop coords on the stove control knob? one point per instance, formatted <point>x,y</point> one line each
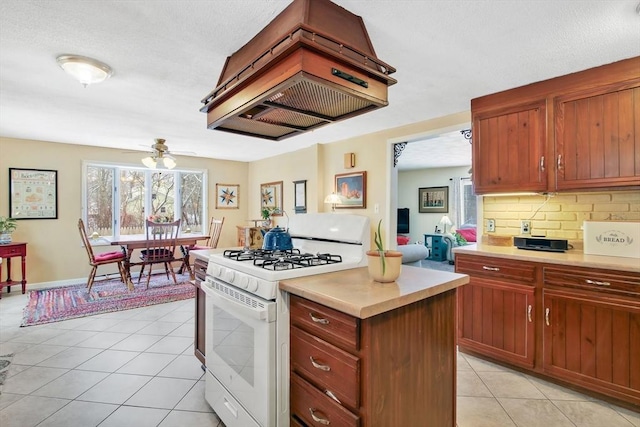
<point>243,281</point>
<point>215,270</point>
<point>230,276</point>
<point>253,285</point>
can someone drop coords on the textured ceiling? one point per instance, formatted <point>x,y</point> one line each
<point>167,55</point>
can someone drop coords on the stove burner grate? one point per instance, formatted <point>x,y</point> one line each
<point>281,260</point>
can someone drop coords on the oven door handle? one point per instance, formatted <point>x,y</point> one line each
<point>237,308</point>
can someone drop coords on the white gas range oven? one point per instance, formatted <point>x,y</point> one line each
<point>247,317</point>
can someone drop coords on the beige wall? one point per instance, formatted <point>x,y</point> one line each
<point>54,250</point>
<point>562,216</point>
<point>408,184</point>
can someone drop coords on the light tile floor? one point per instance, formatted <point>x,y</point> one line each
<point>137,368</point>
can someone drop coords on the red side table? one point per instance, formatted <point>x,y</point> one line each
<point>8,251</point>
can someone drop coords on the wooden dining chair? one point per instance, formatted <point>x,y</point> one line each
<point>115,257</point>
<point>215,229</point>
<point>160,247</point>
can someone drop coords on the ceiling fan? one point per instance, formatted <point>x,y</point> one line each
<point>160,157</point>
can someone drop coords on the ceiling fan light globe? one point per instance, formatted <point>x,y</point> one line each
<point>168,162</point>
<point>149,162</point>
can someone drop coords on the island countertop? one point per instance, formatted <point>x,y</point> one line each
<point>572,257</point>
<point>354,293</point>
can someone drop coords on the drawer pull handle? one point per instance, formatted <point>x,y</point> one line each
<point>318,365</point>
<point>318,419</point>
<point>318,319</point>
<point>546,316</point>
<point>230,408</point>
<point>333,396</point>
<point>597,282</point>
<point>484,267</point>
<point>529,313</point>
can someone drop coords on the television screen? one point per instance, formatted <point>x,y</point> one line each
<point>403,220</point>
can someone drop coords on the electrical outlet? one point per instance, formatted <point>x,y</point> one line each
<point>491,225</point>
<point>525,228</point>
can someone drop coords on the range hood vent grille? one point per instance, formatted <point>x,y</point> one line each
<point>322,70</point>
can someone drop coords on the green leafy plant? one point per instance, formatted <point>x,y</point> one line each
<point>267,212</point>
<point>7,225</point>
<point>377,239</point>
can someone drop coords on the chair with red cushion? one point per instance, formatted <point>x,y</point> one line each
<point>116,257</point>
<point>215,228</point>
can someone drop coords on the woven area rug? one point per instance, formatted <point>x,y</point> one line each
<point>69,302</point>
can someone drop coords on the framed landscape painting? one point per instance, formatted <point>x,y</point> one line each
<point>433,200</point>
<point>352,190</point>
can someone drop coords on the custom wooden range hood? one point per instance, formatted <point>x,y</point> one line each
<point>312,65</point>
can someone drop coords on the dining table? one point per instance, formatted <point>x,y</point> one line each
<point>129,244</point>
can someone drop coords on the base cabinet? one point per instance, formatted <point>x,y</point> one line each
<point>496,309</point>
<point>381,371</point>
<point>577,325</point>
<point>592,337</point>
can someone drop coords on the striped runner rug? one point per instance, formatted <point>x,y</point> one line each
<point>70,302</point>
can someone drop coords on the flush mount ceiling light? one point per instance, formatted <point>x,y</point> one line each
<point>86,70</point>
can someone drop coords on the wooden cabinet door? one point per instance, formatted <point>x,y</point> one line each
<point>509,146</point>
<point>597,137</point>
<point>593,341</point>
<point>497,319</point>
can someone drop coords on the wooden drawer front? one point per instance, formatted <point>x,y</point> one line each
<point>499,268</point>
<point>315,408</point>
<point>593,280</point>
<point>11,251</point>
<point>326,366</point>
<point>331,325</point>
<point>200,269</point>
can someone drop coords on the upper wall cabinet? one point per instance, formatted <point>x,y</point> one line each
<point>508,149</point>
<point>576,132</point>
<point>598,137</point>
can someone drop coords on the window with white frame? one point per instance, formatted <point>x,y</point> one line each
<point>118,198</point>
<point>467,203</point>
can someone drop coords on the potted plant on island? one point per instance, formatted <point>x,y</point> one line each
<point>384,265</point>
<point>7,226</point>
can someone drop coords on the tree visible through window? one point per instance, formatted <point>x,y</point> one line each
<point>139,194</point>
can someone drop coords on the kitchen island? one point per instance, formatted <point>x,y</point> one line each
<point>373,354</point>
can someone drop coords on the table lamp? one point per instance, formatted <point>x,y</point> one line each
<point>445,221</point>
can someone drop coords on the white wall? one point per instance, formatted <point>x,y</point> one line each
<point>408,184</point>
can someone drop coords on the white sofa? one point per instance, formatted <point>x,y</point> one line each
<point>413,253</point>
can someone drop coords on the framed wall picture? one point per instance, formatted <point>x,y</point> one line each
<point>33,193</point>
<point>300,196</point>
<point>433,200</point>
<point>271,197</point>
<point>352,190</point>
<point>227,196</point>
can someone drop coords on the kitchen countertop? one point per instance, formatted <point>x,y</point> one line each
<point>204,254</point>
<point>353,292</point>
<point>572,257</point>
